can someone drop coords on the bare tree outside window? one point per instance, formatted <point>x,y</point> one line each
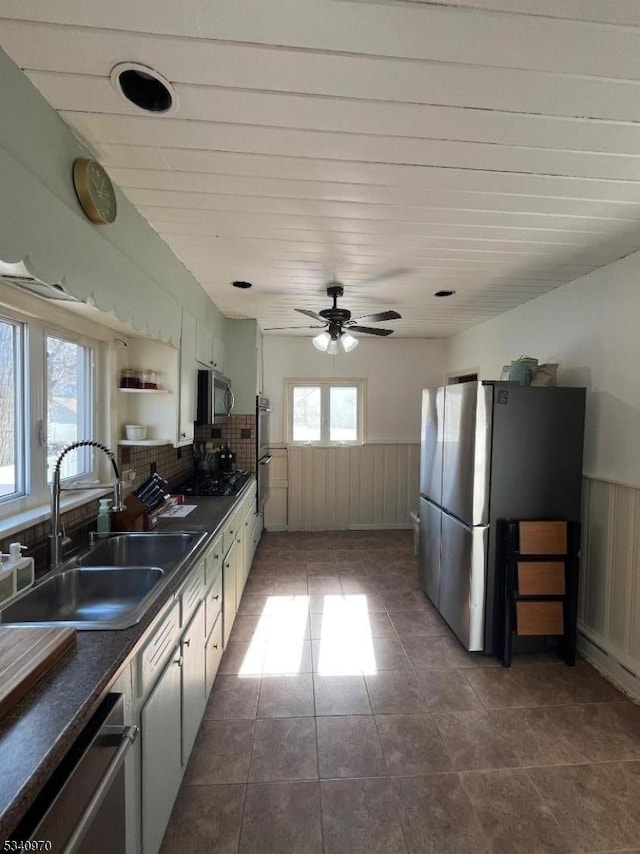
<point>68,404</point>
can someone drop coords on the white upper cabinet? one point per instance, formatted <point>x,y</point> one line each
<point>218,354</point>
<point>187,392</point>
<point>204,345</point>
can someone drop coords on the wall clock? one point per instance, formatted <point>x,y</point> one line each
<point>94,190</point>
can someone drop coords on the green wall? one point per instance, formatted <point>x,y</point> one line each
<point>125,267</point>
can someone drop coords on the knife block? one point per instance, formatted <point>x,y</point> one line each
<point>132,517</point>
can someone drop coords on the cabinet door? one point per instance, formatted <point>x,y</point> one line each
<point>218,354</point>
<point>240,576</point>
<point>161,760</point>
<point>229,591</point>
<point>204,345</point>
<point>213,654</point>
<point>187,390</point>
<point>193,680</point>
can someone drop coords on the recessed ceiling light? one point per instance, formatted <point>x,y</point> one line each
<point>444,293</point>
<point>144,87</point>
<point>242,285</point>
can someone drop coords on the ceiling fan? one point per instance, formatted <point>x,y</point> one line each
<point>339,324</point>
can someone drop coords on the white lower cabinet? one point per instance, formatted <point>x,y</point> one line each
<point>194,698</point>
<point>213,653</point>
<point>177,667</point>
<point>160,723</point>
<point>229,591</point>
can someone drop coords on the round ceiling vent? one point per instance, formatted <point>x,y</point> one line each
<point>145,88</point>
<point>444,293</point>
<point>242,285</point>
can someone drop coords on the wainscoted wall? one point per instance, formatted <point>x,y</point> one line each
<point>609,603</point>
<point>368,486</point>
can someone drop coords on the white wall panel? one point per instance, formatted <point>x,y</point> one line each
<point>609,611</point>
<point>365,486</point>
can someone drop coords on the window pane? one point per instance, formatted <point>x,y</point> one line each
<point>306,414</point>
<point>68,404</point>
<point>343,426</point>
<point>10,410</point>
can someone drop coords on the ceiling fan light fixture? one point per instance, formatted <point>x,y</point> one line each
<point>348,342</point>
<point>321,342</point>
<point>332,347</point>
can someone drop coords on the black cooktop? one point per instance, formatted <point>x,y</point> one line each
<point>215,484</point>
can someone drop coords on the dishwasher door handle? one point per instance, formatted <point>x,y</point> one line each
<point>129,735</point>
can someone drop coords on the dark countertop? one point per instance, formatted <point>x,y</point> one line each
<point>39,731</point>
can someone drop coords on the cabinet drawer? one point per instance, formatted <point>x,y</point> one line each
<point>213,562</point>
<point>213,654</point>
<point>158,650</point>
<point>539,618</point>
<point>192,592</point>
<point>229,533</point>
<point>214,602</point>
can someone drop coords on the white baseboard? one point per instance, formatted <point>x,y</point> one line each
<point>599,653</point>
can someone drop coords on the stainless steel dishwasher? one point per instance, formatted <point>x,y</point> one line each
<point>81,809</point>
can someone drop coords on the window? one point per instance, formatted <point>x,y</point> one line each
<point>11,410</point>
<point>325,412</point>
<point>47,401</point>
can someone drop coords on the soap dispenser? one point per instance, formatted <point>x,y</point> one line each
<point>104,518</point>
<point>23,566</point>
<point>16,572</point>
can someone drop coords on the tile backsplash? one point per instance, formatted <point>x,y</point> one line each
<point>240,433</point>
<point>174,464</point>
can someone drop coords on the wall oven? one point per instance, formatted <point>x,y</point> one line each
<point>263,456</point>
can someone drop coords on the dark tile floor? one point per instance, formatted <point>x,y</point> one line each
<point>347,718</point>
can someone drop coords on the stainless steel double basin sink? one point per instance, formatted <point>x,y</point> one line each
<point>109,587</point>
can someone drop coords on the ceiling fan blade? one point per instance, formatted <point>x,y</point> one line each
<point>380,315</point>
<point>370,330</point>
<point>313,314</point>
<point>272,328</point>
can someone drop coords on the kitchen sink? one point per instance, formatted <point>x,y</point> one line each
<point>163,550</point>
<point>96,597</point>
<point>109,587</point>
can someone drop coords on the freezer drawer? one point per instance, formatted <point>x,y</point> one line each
<point>462,580</point>
<point>431,443</point>
<point>429,550</point>
<point>467,452</point>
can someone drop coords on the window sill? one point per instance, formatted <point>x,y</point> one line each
<point>42,512</point>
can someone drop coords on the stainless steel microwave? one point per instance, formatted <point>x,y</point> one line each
<point>215,399</point>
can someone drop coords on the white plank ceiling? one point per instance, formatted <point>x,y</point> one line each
<point>491,147</point>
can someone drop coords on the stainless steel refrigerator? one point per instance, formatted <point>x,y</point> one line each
<point>490,451</point>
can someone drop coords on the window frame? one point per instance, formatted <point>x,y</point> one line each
<point>35,492</point>
<point>325,385</point>
<point>20,415</point>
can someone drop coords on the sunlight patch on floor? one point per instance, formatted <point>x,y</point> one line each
<point>346,644</point>
<point>277,644</point>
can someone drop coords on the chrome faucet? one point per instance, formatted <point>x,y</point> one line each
<point>56,537</point>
